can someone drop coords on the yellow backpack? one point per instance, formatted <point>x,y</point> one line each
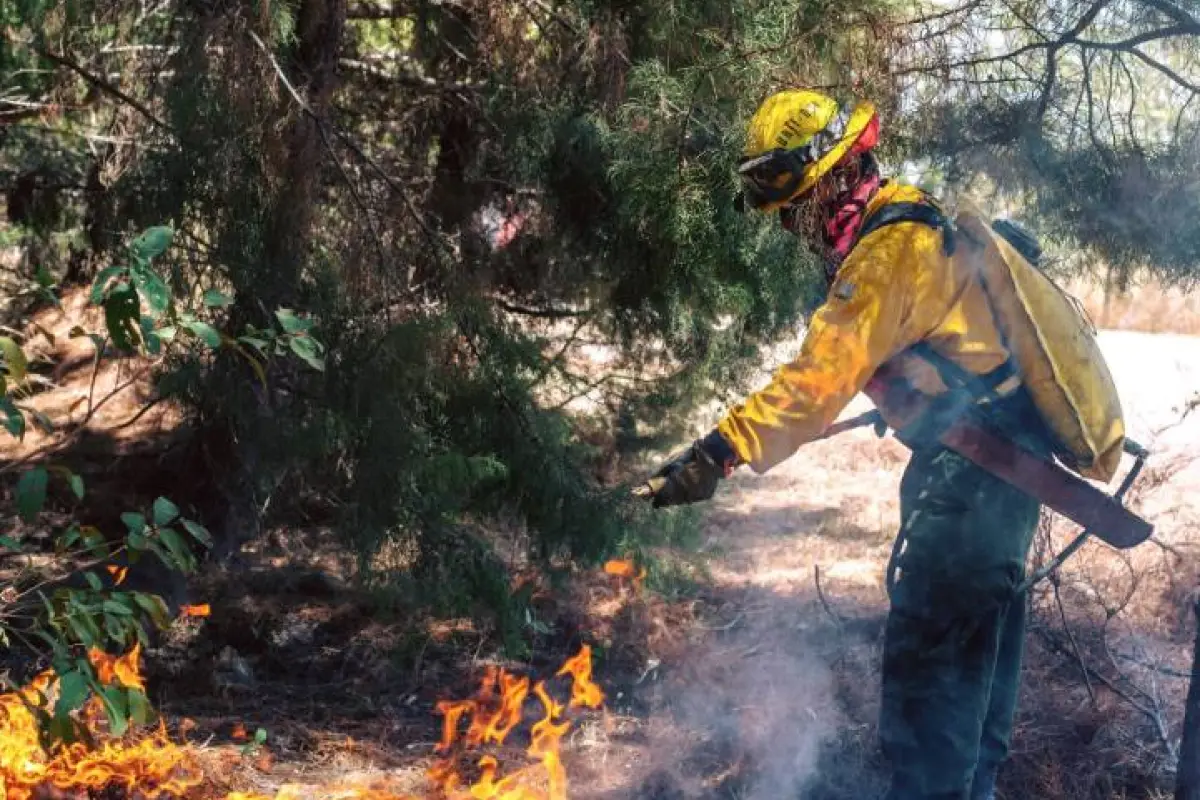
<point>1053,343</point>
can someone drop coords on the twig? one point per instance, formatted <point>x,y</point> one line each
<point>841,623</point>
<point>1083,667</point>
<point>103,85</point>
<point>95,371</point>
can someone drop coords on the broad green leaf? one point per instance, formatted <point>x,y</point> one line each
<point>14,420</point>
<point>177,547</point>
<point>135,522</point>
<point>207,333</point>
<point>72,692</point>
<point>14,358</point>
<point>153,605</point>
<point>198,531</point>
<point>258,344</point>
<point>94,581</point>
<point>121,315</point>
<point>31,493</point>
<point>9,543</point>
<point>116,708</point>
<point>309,350</point>
<point>76,483</point>
<point>85,629</point>
<point>113,607</point>
<point>139,706</point>
<point>153,290</point>
<point>165,511</point>
<point>290,322</point>
<point>72,535</point>
<point>150,336</point>
<point>166,333</point>
<point>136,542</point>
<point>216,299</point>
<point>114,628</point>
<point>165,556</point>
<point>153,242</point>
<point>100,288</point>
<point>260,736</point>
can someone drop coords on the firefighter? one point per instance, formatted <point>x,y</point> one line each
<point>955,629</point>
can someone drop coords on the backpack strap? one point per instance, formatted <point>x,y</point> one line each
<point>924,212</point>
<point>966,389</point>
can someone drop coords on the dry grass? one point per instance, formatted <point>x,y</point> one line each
<point>1147,306</point>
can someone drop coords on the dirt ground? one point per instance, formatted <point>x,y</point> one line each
<point>756,679</point>
<point>748,683</point>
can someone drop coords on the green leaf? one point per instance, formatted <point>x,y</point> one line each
<point>155,606</point>
<point>100,287</point>
<point>153,242</point>
<point>309,350</point>
<point>14,358</point>
<point>116,708</point>
<point>178,548</point>
<point>113,607</point>
<point>121,315</point>
<point>139,706</point>
<point>9,543</point>
<point>216,299</point>
<point>137,541</point>
<point>153,289</point>
<point>166,333</point>
<point>72,692</point>
<point>94,581</point>
<point>150,336</point>
<point>260,736</point>
<point>198,531</point>
<point>14,420</point>
<point>258,344</point>
<point>85,629</point>
<point>165,512</point>
<point>290,322</point>
<point>135,522</point>
<point>207,333</point>
<point>31,493</point>
<point>114,629</point>
<point>72,535</point>
<point>76,483</point>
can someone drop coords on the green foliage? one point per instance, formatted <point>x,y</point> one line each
<point>96,614</point>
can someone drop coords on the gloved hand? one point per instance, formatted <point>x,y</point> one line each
<point>692,476</point>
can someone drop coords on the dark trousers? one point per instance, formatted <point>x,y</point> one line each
<point>955,633</point>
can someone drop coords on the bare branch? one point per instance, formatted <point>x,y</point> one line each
<point>104,86</point>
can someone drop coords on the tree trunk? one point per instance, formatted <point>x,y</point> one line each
<point>1187,785</point>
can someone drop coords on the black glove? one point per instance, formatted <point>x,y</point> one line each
<point>692,476</point>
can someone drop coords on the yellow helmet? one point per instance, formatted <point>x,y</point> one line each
<point>794,138</point>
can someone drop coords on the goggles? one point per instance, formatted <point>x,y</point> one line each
<point>773,177</point>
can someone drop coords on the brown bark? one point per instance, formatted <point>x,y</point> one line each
<point>319,28</point>
<point>1187,786</point>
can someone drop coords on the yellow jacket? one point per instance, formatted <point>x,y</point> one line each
<point>896,288</point>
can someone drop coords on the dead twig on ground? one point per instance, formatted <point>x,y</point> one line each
<point>838,620</point>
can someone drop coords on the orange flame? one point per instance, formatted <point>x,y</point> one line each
<point>584,693</point>
<point>202,610</point>
<point>493,717</point>
<point>152,766</point>
<point>625,568</point>
<point>118,573</point>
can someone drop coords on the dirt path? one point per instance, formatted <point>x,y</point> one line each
<point>776,695</point>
